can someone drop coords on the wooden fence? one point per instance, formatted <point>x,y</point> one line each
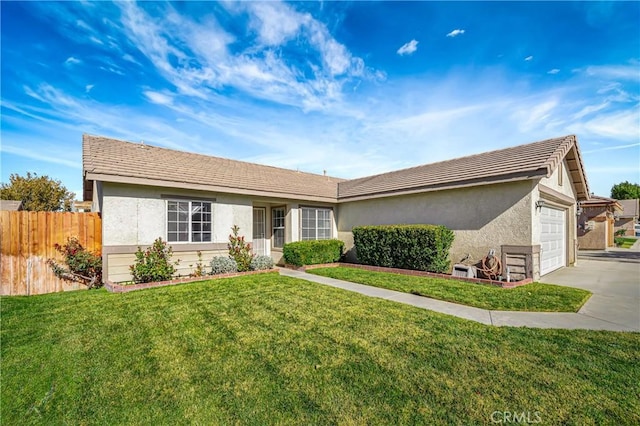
<point>27,240</point>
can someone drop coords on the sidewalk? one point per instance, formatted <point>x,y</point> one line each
<point>496,318</point>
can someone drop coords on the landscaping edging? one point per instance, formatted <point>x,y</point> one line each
<point>120,288</point>
<point>502,284</point>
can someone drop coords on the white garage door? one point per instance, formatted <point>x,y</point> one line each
<point>552,240</point>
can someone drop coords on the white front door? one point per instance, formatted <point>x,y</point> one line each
<point>552,239</point>
<point>259,231</point>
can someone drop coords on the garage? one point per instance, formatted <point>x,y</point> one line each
<point>552,239</point>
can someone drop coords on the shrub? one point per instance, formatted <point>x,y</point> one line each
<point>418,247</point>
<point>82,266</point>
<point>198,270</point>
<point>154,263</point>
<point>223,265</point>
<point>312,252</point>
<point>239,250</point>
<point>261,262</point>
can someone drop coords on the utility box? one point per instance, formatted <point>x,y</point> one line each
<point>463,271</point>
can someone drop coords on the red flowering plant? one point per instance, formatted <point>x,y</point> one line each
<point>239,250</point>
<point>81,265</point>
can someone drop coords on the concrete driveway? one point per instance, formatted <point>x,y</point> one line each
<point>614,281</point>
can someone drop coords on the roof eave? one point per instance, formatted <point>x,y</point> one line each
<point>204,187</point>
<point>456,185</point>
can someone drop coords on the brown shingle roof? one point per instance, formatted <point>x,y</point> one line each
<point>118,161</point>
<point>631,208</point>
<point>534,160</point>
<point>599,201</point>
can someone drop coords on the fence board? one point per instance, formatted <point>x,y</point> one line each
<point>27,240</point>
<point>5,245</point>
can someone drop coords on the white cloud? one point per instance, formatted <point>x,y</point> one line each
<point>528,58</point>
<point>96,40</point>
<point>81,24</point>
<point>48,157</point>
<point>553,71</point>
<point>88,87</point>
<point>275,23</point>
<point>195,56</point>
<point>158,98</point>
<point>408,48</point>
<point>72,61</point>
<point>536,114</point>
<point>455,33</point>
<point>613,148</point>
<point>620,72</point>
<point>127,57</point>
<point>590,109</point>
<point>619,125</point>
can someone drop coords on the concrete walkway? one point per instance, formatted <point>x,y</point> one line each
<point>578,320</point>
<point>615,285</point>
<point>630,255</point>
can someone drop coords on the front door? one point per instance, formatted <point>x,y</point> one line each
<point>259,231</point>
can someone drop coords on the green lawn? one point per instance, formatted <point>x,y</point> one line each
<point>625,242</point>
<point>535,297</point>
<point>276,350</point>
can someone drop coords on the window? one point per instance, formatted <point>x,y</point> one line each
<point>277,217</point>
<point>316,224</point>
<point>188,221</point>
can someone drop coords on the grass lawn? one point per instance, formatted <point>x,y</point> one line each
<point>535,297</point>
<point>625,242</point>
<point>276,350</point>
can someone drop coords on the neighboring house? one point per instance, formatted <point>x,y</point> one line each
<point>14,205</point>
<point>595,223</point>
<point>520,201</point>
<point>82,206</point>
<point>629,216</point>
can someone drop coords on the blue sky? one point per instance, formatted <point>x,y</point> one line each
<point>352,88</point>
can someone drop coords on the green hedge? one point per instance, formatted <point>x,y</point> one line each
<point>417,247</point>
<point>312,252</point>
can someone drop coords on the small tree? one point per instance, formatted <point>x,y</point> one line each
<point>154,263</point>
<point>239,250</point>
<point>625,191</point>
<point>37,193</point>
<point>82,266</point>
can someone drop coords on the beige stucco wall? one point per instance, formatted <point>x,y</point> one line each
<point>596,238</point>
<point>627,224</point>
<point>136,215</point>
<point>482,217</point>
<point>566,187</point>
